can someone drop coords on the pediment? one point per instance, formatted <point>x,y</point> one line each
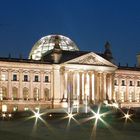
<point>91,59</point>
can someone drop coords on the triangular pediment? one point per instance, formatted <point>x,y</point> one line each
<point>91,59</point>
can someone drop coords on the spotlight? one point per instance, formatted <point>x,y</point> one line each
<point>37,114</point>
<point>50,115</point>
<point>98,116</point>
<point>127,116</point>
<point>10,115</point>
<point>70,115</point>
<point>3,115</point>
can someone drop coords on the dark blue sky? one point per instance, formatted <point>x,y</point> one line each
<point>90,23</point>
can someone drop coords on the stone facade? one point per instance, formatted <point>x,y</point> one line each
<point>27,85</point>
<point>58,75</point>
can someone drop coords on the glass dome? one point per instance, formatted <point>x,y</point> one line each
<point>47,43</point>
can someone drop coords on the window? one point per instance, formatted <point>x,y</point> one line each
<point>131,84</point>
<point>123,83</point>
<point>3,77</point>
<point>15,108</point>
<point>46,78</point>
<point>14,77</point>
<point>26,109</point>
<point>36,78</point>
<point>138,83</point>
<point>115,82</point>
<point>25,78</point>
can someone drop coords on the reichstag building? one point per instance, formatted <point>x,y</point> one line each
<point>57,75</point>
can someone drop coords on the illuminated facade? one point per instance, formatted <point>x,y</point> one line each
<point>58,75</point>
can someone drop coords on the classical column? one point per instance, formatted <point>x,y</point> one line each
<point>42,85</point>
<point>108,87</point>
<point>80,86</point>
<point>96,87</point>
<point>91,82</point>
<point>100,87</point>
<point>135,91</point>
<point>74,86</point>
<point>71,89</point>
<point>65,84</point>
<point>31,85</point>
<point>83,85</point>
<point>56,83</point>
<point>62,81</point>
<point>104,86</point>
<point>119,88</point>
<point>127,90</point>
<point>9,84</point>
<point>20,84</point>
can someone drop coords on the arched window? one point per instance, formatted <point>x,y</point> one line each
<point>4,93</point>
<point>46,94</point>
<point>14,93</point>
<point>25,93</point>
<point>36,94</point>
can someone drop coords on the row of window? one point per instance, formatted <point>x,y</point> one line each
<point>26,78</point>
<point>124,84</point>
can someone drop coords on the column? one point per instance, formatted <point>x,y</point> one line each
<point>42,85</point>
<point>119,88</point>
<point>127,90</point>
<point>135,91</point>
<point>91,82</point>
<point>62,81</point>
<point>51,84</point>
<point>71,89</point>
<point>74,86</point>
<point>20,84</point>
<point>65,85</point>
<point>112,87</point>
<point>104,86</point>
<point>108,87</point>
<point>31,85</point>
<point>100,87</point>
<point>80,86</point>
<point>96,86</point>
<point>9,84</point>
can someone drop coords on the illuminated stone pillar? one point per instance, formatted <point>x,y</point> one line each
<point>51,86</point>
<point>31,85</point>
<point>56,83</point>
<point>65,84</point>
<point>127,90</point>
<point>112,87</point>
<point>80,86</point>
<point>119,88</point>
<point>135,90</point>
<point>108,87</point>
<point>41,85</point>
<point>100,87</point>
<point>62,81</point>
<point>71,89</point>
<point>96,87</point>
<point>74,85</point>
<point>20,84</point>
<point>91,82</point>
<point>104,86</point>
<point>83,85</point>
<point>9,83</point>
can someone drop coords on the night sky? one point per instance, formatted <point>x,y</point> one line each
<point>89,23</point>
